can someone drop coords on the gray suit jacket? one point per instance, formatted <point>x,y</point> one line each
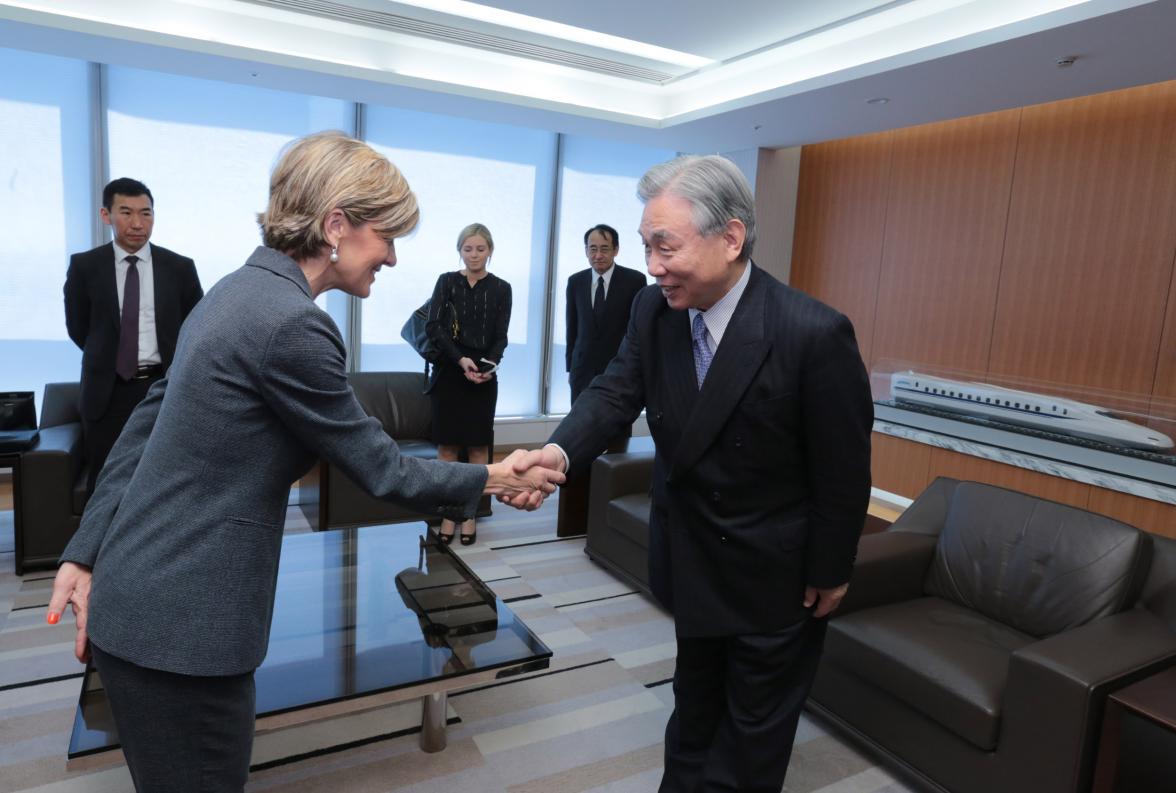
<point>184,529</point>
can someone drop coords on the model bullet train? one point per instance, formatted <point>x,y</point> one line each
<point>1038,411</point>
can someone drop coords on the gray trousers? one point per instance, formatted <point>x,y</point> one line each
<point>179,733</point>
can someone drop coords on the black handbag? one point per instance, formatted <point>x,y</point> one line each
<point>18,422</point>
<point>414,331</point>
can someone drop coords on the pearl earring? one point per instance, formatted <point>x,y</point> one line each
<point>334,255</point>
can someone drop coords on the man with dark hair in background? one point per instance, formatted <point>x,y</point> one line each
<point>598,302</point>
<point>124,304</point>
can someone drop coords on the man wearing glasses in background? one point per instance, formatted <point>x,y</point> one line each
<point>598,301</point>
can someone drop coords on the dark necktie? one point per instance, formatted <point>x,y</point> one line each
<point>598,301</point>
<point>702,350</point>
<point>128,332</point>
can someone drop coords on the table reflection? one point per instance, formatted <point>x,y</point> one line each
<point>359,612</point>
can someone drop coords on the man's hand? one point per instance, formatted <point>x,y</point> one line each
<point>522,485</point>
<point>827,600</point>
<point>549,457</point>
<point>72,586</point>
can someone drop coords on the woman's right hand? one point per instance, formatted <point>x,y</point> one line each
<point>535,481</point>
<point>72,587</point>
<point>470,369</point>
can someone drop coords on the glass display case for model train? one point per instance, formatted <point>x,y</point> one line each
<point>1114,420</point>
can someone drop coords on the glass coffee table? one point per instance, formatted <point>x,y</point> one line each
<point>363,617</point>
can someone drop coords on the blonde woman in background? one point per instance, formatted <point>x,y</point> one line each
<point>468,318</point>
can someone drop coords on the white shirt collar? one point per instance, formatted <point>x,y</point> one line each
<point>718,316</point>
<point>143,253</point>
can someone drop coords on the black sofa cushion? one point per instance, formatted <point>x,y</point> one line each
<point>1035,565</point>
<point>945,661</point>
<point>629,515</point>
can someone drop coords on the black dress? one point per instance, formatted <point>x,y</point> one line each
<point>463,412</point>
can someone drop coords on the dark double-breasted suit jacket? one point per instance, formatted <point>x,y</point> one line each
<point>591,343</point>
<point>761,478</point>
<point>93,318</point>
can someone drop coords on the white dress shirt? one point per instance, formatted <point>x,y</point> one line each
<point>148,344</point>
<point>607,276</point>
<point>718,316</point>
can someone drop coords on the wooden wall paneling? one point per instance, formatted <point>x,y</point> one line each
<point>840,218</point>
<point>977,469</point>
<point>1153,516</point>
<point>900,466</point>
<point>1088,254</point>
<point>1162,405</point>
<point>945,227</point>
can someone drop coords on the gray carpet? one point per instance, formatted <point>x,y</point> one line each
<point>592,722</point>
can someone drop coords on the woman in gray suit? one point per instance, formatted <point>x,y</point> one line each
<point>171,574</point>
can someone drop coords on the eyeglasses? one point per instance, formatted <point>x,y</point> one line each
<point>604,249</point>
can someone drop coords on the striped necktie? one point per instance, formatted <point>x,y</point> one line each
<point>702,351</point>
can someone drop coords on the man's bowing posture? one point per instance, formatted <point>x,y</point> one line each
<point>760,410</point>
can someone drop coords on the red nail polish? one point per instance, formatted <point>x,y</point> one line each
<point>53,618</point>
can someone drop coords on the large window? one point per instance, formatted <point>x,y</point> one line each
<point>598,185</point>
<point>206,149</point>
<point>464,172</point>
<point>45,200</point>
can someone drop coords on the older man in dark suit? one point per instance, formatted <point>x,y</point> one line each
<point>124,304</point>
<point>598,302</point>
<point>760,410</point>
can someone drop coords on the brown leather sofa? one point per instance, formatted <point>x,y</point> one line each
<point>984,629</point>
<point>52,482</point>
<point>331,500</point>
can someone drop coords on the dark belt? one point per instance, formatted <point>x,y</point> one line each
<point>146,372</point>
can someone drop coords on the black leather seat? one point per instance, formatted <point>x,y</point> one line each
<point>618,515</point>
<point>52,481</point>
<point>984,629</point>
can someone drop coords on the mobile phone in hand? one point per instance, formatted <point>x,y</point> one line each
<point>486,367</point>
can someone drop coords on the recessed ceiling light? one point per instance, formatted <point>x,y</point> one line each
<point>878,100</point>
<point>547,27</point>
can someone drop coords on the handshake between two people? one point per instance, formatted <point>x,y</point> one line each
<point>524,478</point>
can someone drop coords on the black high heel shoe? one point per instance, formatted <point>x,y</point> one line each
<point>445,539</point>
<point>467,539</point>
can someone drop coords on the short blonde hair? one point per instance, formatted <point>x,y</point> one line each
<point>475,230</point>
<point>326,171</point>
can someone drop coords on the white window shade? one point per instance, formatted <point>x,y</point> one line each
<point>464,172</point>
<point>598,185</point>
<point>206,149</point>
<point>45,200</point>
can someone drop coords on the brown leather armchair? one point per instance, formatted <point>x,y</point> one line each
<point>52,482</point>
<point>983,630</point>
<point>329,498</point>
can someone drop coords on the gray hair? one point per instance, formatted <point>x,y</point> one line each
<point>714,187</point>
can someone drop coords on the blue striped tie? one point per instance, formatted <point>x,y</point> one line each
<point>702,350</point>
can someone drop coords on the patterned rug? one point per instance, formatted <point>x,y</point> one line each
<point>592,722</point>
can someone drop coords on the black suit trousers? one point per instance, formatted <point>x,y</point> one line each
<point>180,733</point>
<point>99,435</point>
<point>737,701</point>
